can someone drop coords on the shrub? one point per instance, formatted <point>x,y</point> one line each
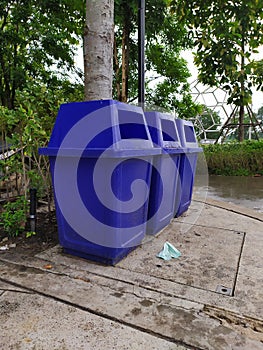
<point>234,158</point>
<point>13,217</point>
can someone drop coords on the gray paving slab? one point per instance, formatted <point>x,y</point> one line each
<point>250,276</point>
<point>233,208</point>
<point>209,257</point>
<point>171,303</point>
<point>176,319</point>
<point>39,323</point>
<point>222,217</point>
<point>251,305</point>
<point>9,287</point>
<point>250,273</point>
<point>248,288</point>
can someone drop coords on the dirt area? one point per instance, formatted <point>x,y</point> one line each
<point>46,236</point>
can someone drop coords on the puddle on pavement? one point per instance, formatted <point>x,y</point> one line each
<point>246,191</point>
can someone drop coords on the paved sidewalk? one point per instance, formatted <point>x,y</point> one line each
<point>209,298</point>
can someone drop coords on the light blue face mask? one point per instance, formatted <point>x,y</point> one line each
<point>168,252</point>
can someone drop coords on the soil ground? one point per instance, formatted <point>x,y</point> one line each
<point>46,236</point>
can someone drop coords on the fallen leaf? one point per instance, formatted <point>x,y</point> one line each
<point>27,340</point>
<point>48,266</point>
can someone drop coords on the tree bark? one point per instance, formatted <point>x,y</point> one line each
<point>98,49</point>
<point>116,70</point>
<point>241,124</point>
<point>125,62</point>
<point>242,93</point>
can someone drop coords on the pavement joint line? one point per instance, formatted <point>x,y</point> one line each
<point>103,315</point>
<point>164,293</point>
<point>239,210</point>
<point>15,291</point>
<point>131,283</point>
<point>211,311</point>
<point>139,285</point>
<point>205,226</point>
<point>238,263</point>
<point>172,281</point>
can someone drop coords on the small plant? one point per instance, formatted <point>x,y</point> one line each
<point>13,216</point>
<point>30,234</point>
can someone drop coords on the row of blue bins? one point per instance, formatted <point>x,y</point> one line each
<point>118,174</point>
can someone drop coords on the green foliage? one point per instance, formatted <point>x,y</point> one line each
<point>13,217</point>
<point>166,71</point>
<point>36,38</point>
<point>208,122</point>
<point>28,127</point>
<point>209,117</point>
<point>226,34</point>
<point>235,158</point>
<point>260,114</point>
<point>172,98</point>
<point>30,234</point>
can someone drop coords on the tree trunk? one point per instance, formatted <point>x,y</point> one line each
<point>241,123</point>
<point>116,70</point>
<point>242,93</point>
<point>125,61</point>
<point>98,49</point>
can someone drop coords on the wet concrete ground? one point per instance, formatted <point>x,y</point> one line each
<point>209,298</point>
<point>246,191</point>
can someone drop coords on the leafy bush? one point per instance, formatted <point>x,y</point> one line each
<point>28,127</point>
<point>13,217</point>
<point>234,158</point>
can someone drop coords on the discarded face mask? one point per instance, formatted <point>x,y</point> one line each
<point>168,252</point>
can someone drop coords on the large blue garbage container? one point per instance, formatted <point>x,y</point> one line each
<point>101,157</point>
<point>165,174</point>
<point>187,166</point>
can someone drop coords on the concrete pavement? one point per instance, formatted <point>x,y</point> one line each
<point>209,298</point>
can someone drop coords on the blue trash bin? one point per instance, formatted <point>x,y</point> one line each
<point>101,158</point>
<point>165,174</point>
<point>187,166</point>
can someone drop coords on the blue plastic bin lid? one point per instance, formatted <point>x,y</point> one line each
<point>187,135</point>
<point>163,130</point>
<point>100,128</point>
